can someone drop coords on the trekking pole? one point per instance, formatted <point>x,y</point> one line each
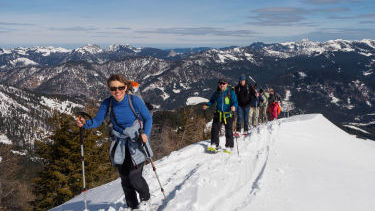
<point>83,114</point>
<point>237,135</point>
<point>153,168</point>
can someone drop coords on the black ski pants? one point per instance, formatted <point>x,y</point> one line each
<point>132,181</point>
<point>216,126</point>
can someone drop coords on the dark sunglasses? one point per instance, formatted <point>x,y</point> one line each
<point>113,88</point>
<point>222,83</point>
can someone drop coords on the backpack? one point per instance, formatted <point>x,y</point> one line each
<point>247,87</point>
<point>135,91</point>
<point>278,109</point>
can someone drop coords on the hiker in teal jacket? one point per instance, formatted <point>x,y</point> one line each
<point>226,103</point>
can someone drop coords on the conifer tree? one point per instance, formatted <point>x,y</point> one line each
<point>61,178</point>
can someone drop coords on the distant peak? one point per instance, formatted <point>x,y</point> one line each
<point>89,48</point>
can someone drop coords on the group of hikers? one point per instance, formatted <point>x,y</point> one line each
<point>131,123</point>
<point>252,107</point>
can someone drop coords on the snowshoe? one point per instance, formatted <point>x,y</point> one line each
<point>211,150</point>
<point>227,150</point>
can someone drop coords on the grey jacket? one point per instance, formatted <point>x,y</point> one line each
<point>128,137</point>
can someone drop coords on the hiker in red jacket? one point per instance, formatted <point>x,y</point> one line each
<point>273,105</point>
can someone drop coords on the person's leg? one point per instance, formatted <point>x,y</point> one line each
<point>265,113</point>
<point>260,117</point>
<point>240,114</point>
<point>216,125</point>
<point>246,118</point>
<point>130,194</point>
<point>229,133</point>
<point>256,116</point>
<point>251,115</point>
<point>139,183</point>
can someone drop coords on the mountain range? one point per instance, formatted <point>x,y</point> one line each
<point>335,78</point>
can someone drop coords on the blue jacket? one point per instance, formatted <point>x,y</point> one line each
<point>223,103</point>
<point>129,136</point>
<point>124,115</point>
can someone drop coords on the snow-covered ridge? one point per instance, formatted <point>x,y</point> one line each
<point>310,48</point>
<point>46,51</point>
<point>364,47</point>
<point>282,165</point>
<point>22,62</point>
<point>117,47</point>
<point>27,112</point>
<point>61,106</point>
<point>89,48</point>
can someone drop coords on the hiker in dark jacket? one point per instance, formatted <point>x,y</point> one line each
<point>226,103</point>
<point>126,151</point>
<point>243,97</point>
<point>255,101</point>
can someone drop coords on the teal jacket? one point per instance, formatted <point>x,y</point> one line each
<point>223,100</point>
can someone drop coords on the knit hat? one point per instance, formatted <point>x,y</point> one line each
<point>243,77</point>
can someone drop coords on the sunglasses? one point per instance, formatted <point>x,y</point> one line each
<point>120,88</point>
<point>222,83</point>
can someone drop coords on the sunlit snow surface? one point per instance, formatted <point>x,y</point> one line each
<point>196,100</point>
<point>300,163</point>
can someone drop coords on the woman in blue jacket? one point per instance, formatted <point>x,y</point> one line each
<point>126,153</point>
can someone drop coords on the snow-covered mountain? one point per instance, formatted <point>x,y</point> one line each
<point>91,53</point>
<point>23,116</point>
<point>283,165</point>
<point>334,77</point>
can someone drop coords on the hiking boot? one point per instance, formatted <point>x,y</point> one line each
<point>217,147</point>
<point>143,206</point>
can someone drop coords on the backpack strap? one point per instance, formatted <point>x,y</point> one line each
<point>135,113</point>
<point>112,114</point>
<point>131,106</point>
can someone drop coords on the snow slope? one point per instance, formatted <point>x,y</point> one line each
<point>301,163</point>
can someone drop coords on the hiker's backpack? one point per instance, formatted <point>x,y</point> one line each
<point>135,91</point>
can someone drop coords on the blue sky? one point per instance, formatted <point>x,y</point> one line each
<point>182,23</point>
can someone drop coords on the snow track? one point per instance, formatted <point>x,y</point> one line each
<point>267,174</point>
